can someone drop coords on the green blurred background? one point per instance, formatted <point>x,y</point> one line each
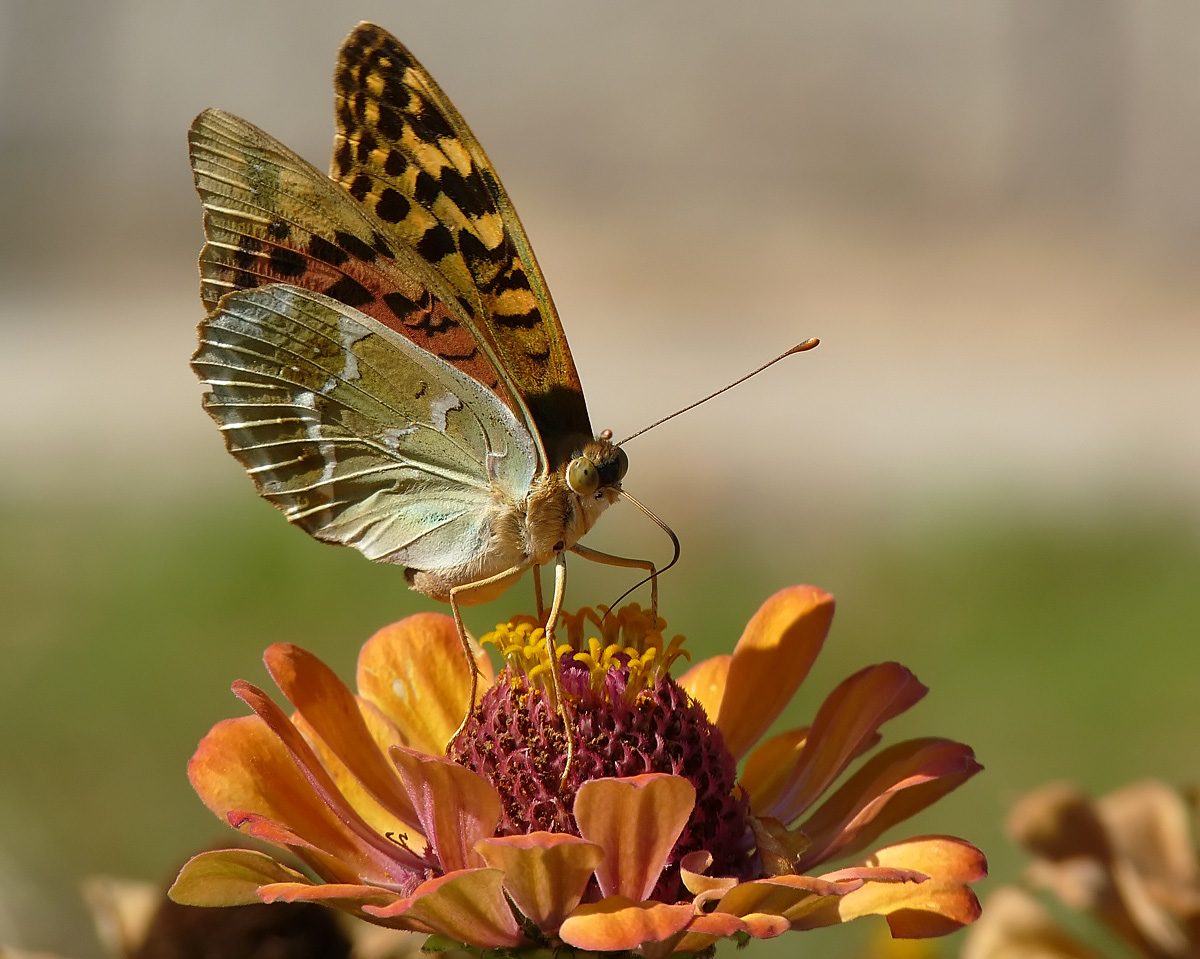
<point>990,213</point>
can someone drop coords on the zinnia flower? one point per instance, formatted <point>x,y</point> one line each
<point>1127,861</point>
<point>650,842</point>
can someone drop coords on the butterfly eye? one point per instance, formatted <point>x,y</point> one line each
<point>622,464</point>
<point>582,476</point>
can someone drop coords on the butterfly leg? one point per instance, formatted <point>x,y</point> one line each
<point>455,593</point>
<point>608,559</point>
<point>560,590</point>
<point>537,591</point>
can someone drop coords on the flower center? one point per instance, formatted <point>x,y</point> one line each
<point>630,716</point>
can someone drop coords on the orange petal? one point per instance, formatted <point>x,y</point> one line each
<point>770,662</point>
<point>707,928</point>
<point>242,766</point>
<point>377,859</point>
<point>635,821</point>
<point>468,906</point>
<point>228,877</point>
<point>846,721</point>
<point>618,923</point>
<point>332,712</point>
<point>415,671</point>
<point>544,873</point>
<point>893,785</point>
<point>705,683</point>
<point>943,857</point>
<point>455,806</point>
<point>770,766</point>
<point>914,910</point>
<point>380,818</point>
<point>691,870</point>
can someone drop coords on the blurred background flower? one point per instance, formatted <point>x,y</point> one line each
<point>989,212</point>
<point>1120,872</point>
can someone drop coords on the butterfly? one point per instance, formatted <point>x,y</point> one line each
<point>380,350</point>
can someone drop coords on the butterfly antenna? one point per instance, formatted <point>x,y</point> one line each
<point>798,348</point>
<point>674,559</point>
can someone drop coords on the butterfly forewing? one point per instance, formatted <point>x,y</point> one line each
<point>403,150</point>
<point>360,437</point>
<point>269,216</point>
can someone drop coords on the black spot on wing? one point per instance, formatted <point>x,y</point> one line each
<point>366,143</point>
<point>360,186</point>
<point>350,292</point>
<point>403,307</point>
<point>287,262</point>
<point>392,206</point>
<point>278,230</point>
<point>463,192</point>
<point>426,189</point>
<point>522,321</point>
<point>436,243</point>
<point>326,252</point>
<point>395,163</point>
<point>381,246</point>
<point>466,305</point>
<point>429,117</point>
<point>247,252</point>
<point>354,246</point>
<point>514,279</point>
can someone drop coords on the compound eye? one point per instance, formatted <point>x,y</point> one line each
<point>582,476</point>
<point>622,464</point>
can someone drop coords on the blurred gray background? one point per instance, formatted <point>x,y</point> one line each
<point>989,212</point>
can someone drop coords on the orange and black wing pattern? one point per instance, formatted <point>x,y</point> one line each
<point>403,151</point>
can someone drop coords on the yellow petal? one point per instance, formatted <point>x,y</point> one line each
<point>228,877</point>
<point>775,653</point>
<point>468,906</point>
<point>416,673</point>
<point>914,910</point>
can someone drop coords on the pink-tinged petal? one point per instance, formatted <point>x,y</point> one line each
<point>705,683</point>
<point>691,870</point>
<point>707,928</point>
<point>330,893</point>
<point>782,895</point>
<point>228,877</point>
<point>468,906</point>
<point>378,860</point>
<point>544,873</point>
<point>619,923</point>
<point>332,712</point>
<point>455,806</point>
<point>846,722</point>
<point>1014,925</point>
<point>770,662</point>
<point>636,822</point>
<point>914,910</point>
<point>893,785</point>
<point>416,673</point>
<point>242,766</point>
<point>943,857</point>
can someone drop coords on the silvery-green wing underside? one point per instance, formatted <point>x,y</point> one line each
<point>358,435</point>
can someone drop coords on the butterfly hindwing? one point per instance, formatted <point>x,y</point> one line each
<point>269,216</point>
<point>403,150</point>
<point>358,435</point>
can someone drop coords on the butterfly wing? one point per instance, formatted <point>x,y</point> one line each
<point>403,151</point>
<point>269,216</point>
<point>361,437</point>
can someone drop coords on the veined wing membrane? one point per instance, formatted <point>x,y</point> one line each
<point>358,435</point>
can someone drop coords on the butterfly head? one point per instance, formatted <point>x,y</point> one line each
<point>595,474</point>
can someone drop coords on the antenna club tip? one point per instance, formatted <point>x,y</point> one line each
<point>801,347</point>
